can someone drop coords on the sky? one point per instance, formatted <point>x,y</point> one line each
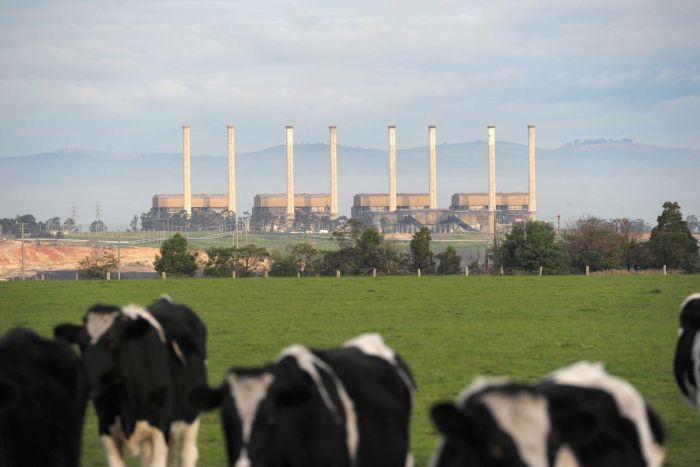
<point>124,76</point>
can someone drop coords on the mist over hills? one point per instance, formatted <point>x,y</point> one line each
<point>602,177</point>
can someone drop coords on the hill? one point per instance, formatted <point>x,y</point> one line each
<point>599,177</point>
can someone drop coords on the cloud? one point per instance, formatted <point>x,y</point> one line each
<point>130,73</point>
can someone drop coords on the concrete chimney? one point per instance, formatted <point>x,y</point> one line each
<point>231,169</point>
<point>290,173</point>
<point>334,172</point>
<point>392,168</point>
<point>432,185</point>
<point>532,196</point>
<point>492,182</point>
<point>187,191</point>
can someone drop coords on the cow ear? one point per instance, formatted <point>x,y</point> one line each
<point>450,421</point>
<point>293,395</point>
<point>67,332</point>
<point>9,393</point>
<point>135,329</point>
<point>205,398</point>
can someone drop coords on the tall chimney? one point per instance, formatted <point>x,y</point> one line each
<point>532,197</point>
<point>392,168</point>
<point>431,168</point>
<point>231,170</point>
<point>492,182</point>
<point>290,173</point>
<point>187,191</point>
<point>334,172</point>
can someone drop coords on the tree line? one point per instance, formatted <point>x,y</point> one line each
<point>602,245</point>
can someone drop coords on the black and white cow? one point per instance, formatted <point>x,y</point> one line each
<point>686,365</point>
<point>142,365</point>
<point>43,394</point>
<point>578,416</point>
<point>349,406</point>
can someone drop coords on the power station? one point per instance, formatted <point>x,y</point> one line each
<point>390,212</point>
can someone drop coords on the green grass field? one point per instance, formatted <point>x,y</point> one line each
<point>449,329</point>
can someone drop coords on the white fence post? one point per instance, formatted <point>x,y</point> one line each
<point>501,270</point>
<point>466,271</point>
<point>664,269</point>
<point>266,274</point>
<point>374,272</point>
<point>233,274</point>
<point>418,272</point>
<point>109,275</point>
<point>588,270</point>
<point>540,270</point>
<point>162,274</point>
<point>337,273</point>
<point>298,275</point>
<point>76,276</point>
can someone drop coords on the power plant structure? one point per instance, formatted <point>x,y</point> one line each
<point>390,212</point>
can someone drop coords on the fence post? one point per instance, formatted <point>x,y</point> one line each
<point>298,275</point>
<point>501,270</point>
<point>466,271</point>
<point>588,270</point>
<point>162,274</point>
<point>119,275</point>
<point>233,274</point>
<point>266,274</point>
<point>664,269</point>
<point>540,270</point>
<point>418,272</point>
<point>337,273</point>
<point>42,276</point>
<point>374,272</point>
<point>76,276</point>
<point>109,275</point>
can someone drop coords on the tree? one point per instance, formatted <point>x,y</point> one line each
<point>98,226</point>
<point>175,257</point>
<point>369,253</point>
<point>693,224</point>
<point>594,242</point>
<point>631,232</point>
<point>421,256</point>
<point>671,242</point>
<point>134,224</point>
<point>449,262</point>
<point>98,263</point>
<point>349,233</point>
<point>220,262</point>
<point>284,264</point>
<point>530,245</point>
<point>249,259</point>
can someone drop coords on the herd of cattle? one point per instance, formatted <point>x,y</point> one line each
<point>145,371</point>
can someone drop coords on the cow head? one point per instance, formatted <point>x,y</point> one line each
<point>105,331</point>
<point>260,411</point>
<point>498,425</point>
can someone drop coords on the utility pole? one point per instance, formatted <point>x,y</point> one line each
<point>558,230</point>
<point>119,256</point>
<point>21,229</point>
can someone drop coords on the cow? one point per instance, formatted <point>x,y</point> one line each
<point>43,395</point>
<point>142,364</point>
<point>343,407</point>
<point>578,416</point>
<point>686,364</point>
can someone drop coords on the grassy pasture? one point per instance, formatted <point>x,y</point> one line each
<point>449,329</point>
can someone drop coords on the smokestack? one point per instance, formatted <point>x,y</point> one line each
<point>431,168</point>
<point>334,172</point>
<point>532,197</point>
<point>290,173</point>
<point>231,170</point>
<point>492,181</point>
<point>392,168</point>
<point>187,191</point>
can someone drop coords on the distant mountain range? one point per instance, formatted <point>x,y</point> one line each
<point>603,177</point>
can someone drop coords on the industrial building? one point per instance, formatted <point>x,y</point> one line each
<point>390,212</point>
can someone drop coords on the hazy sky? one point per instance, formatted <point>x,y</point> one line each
<point>126,75</point>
